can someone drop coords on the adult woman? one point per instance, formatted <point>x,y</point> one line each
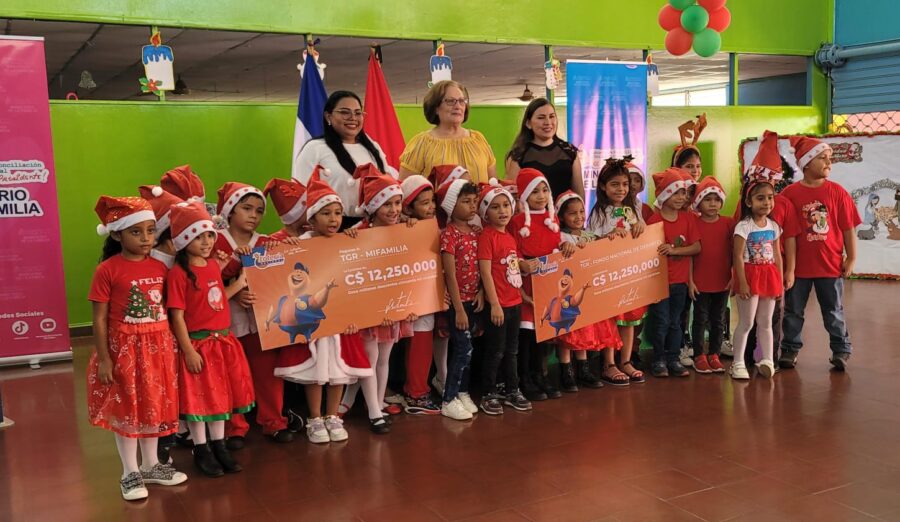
<point>342,148</point>
<point>537,146</point>
<point>446,107</point>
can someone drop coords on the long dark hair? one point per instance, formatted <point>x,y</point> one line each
<point>680,157</point>
<point>334,141</point>
<point>614,167</point>
<point>561,211</point>
<point>164,236</point>
<point>526,135</point>
<point>747,192</point>
<point>111,247</point>
<point>181,259</point>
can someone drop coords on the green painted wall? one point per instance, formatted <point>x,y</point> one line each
<point>759,26</point>
<point>112,147</point>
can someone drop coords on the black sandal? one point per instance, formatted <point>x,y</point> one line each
<point>617,379</point>
<point>636,376</point>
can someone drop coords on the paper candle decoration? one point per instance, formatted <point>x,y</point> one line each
<point>158,65</point>
<point>441,66</point>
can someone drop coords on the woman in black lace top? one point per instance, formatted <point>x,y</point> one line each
<point>538,147</point>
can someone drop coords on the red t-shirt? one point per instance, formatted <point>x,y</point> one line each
<point>204,302</point>
<point>500,249</point>
<point>712,266</point>
<point>681,232</point>
<point>464,247</point>
<point>133,289</point>
<point>823,213</point>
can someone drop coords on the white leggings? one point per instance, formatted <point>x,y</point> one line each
<point>128,452</point>
<point>373,387</point>
<point>440,346</point>
<point>760,308</point>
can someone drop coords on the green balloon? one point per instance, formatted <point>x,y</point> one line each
<point>681,5</point>
<point>707,42</point>
<point>694,19</point>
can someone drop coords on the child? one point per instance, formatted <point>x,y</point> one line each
<point>132,374</point>
<point>459,251</point>
<point>826,251</point>
<point>161,202</point>
<point>289,198</point>
<point>598,336</point>
<point>615,214</point>
<point>242,207</point>
<point>501,267</point>
<point>418,203</point>
<point>757,265</point>
<point>328,361</point>
<point>214,380</point>
<point>380,201</point>
<point>182,183</point>
<point>537,234</point>
<point>636,178</point>
<point>681,241</point>
<point>710,274</point>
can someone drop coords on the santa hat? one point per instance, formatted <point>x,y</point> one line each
<point>668,183</point>
<point>766,165</point>
<point>361,171</point>
<point>805,149</point>
<point>449,194</point>
<point>412,187</point>
<point>527,181</point>
<point>708,185</point>
<point>444,175</point>
<point>189,220</point>
<point>288,197</point>
<point>489,191</point>
<point>375,189</point>
<point>232,192</point>
<point>688,178</point>
<point>319,194</point>
<point>183,183</point>
<point>566,196</point>
<point>117,214</point>
<point>162,202</point>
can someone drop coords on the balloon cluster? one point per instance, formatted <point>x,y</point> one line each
<point>694,23</point>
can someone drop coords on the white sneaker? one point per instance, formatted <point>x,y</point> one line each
<point>132,487</point>
<point>396,398</point>
<point>766,368</point>
<point>686,357</point>
<point>455,410</point>
<point>335,427</point>
<point>739,371</point>
<point>727,348</point>
<point>438,385</point>
<point>468,403</point>
<point>316,431</point>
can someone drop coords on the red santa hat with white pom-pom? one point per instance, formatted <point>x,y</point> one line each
<point>162,202</point>
<point>566,196</point>
<point>442,176</point>
<point>319,194</point>
<point>117,214</point>
<point>183,183</point>
<point>527,181</point>
<point>289,198</point>
<point>708,185</point>
<point>667,183</point>
<point>231,193</point>
<point>412,187</point>
<point>189,220</point>
<point>489,191</point>
<point>375,189</point>
<point>805,149</point>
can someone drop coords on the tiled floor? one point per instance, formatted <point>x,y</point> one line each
<point>812,445</point>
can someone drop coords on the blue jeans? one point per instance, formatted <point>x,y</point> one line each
<point>459,357</point>
<point>665,329</point>
<point>830,294</point>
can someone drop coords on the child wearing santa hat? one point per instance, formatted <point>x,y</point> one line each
<point>682,241</point>
<point>710,274</point>
<point>162,203</point>
<point>826,251</point>
<point>241,207</point>
<point>132,374</point>
<point>289,199</point>
<point>214,379</point>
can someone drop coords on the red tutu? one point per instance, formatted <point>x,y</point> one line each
<point>222,387</point>
<point>594,337</point>
<point>141,402</point>
<point>764,280</point>
<point>328,360</point>
<point>632,318</point>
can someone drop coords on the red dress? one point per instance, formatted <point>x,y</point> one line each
<point>142,400</point>
<point>594,337</point>
<point>224,385</point>
<point>541,241</point>
<point>336,359</point>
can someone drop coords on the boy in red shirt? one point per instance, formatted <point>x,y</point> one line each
<point>828,216</point>
<point>682,240</point>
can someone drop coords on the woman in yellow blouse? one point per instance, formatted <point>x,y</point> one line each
<point>447,107</point>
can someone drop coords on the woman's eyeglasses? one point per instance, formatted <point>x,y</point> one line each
<point>453,102</point>
<point>348,113</point>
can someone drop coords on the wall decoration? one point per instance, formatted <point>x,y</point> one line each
<point>694,24</point>
<point>441,66</point>
<point>159,74</point>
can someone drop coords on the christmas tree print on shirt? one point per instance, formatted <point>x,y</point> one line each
<point>141,309</point>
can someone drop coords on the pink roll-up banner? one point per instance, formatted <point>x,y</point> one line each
<point>34,325</point>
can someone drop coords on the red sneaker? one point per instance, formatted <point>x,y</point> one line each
<point>716,365</point>
<point>701,365</point>
<point>392,409</point>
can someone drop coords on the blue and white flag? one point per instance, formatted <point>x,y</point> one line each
<point>310,108</point>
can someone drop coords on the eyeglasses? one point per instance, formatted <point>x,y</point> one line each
<point>348,113</point>
<point>453,102</point>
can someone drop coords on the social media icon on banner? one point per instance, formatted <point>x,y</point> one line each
<point>48,325</point>
<point>20,328</point>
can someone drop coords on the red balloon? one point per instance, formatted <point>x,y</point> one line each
<point>669,17</point>
<point>679,41</point>
<point>720,19</point>
<point>712,5</point>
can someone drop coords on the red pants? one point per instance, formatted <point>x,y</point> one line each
<point>418,364</point>
<point>268,388</point>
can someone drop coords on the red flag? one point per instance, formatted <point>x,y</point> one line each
<point>381,120</point>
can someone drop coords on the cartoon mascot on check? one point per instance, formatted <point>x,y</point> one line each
<point>306,314</point>
<point>564,309</point>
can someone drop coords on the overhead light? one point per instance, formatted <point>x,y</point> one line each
<point>87,81</point>
<point>527,95</point>
<point>181,87</point>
